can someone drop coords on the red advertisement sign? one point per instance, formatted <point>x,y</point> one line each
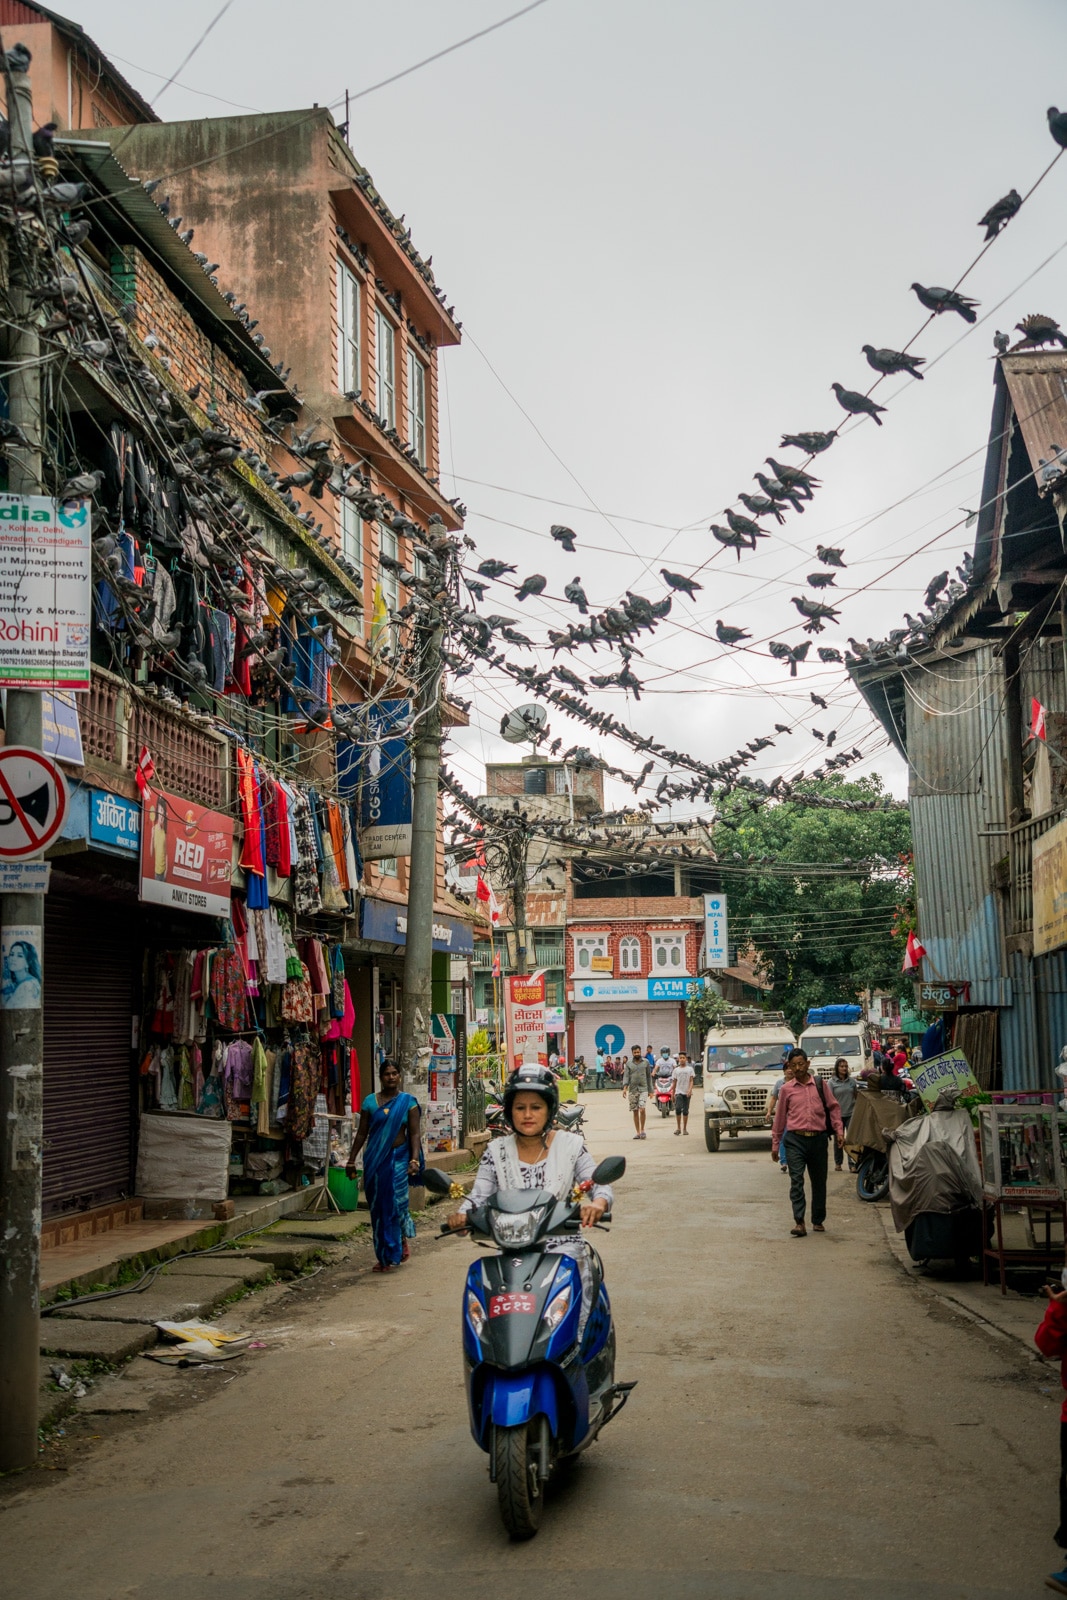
<point>524,1006</point>
<point>186,855</point>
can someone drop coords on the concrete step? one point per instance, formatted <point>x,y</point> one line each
<point>107,1341</point>
<point>324,1225</point>
<point>284,1255</point>
<point>169,1299</point>
<point>227,1264</point>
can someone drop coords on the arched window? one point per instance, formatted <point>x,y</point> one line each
<point>630,955</point>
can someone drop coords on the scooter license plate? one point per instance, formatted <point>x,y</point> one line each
<point>505,1305</point>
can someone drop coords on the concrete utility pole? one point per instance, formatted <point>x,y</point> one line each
<point>21,1032</point>
<point>422,867</point>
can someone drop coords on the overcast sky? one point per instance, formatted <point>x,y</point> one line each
<point>668,226</point>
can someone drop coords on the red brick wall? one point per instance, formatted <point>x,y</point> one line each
<point>642,927</point>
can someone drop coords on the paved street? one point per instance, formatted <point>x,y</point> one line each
<point>807,1424</point>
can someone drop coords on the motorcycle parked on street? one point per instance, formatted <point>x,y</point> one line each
<point>537,1396</point>
<point>571,1118</point>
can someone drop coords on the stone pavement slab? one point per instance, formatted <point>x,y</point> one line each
<point>170,1299</point>
<point>327,1226</point>
<point>284,1255</point>
<point>226,1265</point>
<point>108,1341</point>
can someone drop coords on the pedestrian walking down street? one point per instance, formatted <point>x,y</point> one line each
<point>389,1128</point>
<point>807,1116</point>
<point>772,1106</point>
<point>844,1088</point>
<point>637,1083</point>
<point>598,1070</point>
<point>1051,1340</point>
<point>682,1084</point>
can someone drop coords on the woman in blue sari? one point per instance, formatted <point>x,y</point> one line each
<point>390,1136</point>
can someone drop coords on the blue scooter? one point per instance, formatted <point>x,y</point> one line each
<point>536,1395</point>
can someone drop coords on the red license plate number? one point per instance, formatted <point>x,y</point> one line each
<point>504,1305</point>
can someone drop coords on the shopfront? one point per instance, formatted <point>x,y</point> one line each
<point>612,1015</point>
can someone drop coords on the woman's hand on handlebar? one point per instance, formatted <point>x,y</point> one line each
<point>592,1212</point>
<point>457,1222</point>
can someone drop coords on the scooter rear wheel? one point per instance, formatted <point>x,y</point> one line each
<point>518,1484</point>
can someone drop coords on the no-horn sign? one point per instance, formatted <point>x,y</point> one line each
<point>33,802</point>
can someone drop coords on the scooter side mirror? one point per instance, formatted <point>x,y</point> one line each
<point>610,1170</point>
<point>437,1182</point>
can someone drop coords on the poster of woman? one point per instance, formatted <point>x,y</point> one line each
<point>20,969</point>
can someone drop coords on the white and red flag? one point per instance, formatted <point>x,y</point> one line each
<point>1037,720</point>
<point>484,892</point>
<point>913,953</point>
<point>145,770</point>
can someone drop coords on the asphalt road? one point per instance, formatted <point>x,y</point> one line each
<point>807,1424</point>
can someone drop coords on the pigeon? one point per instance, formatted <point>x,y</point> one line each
<point>818,700</point>
<point>1001,342</point>
<point>577,596</point>
<point>821,580</point>
<point>793,477</point>
<point>571,679</point>
<point>85,483</point>
<point>778,491</point>
<point>494,569</point>
<point>66,195</point>
<point>733,541</point>
<point>194,391</point>
<point>563,536</point>
<point>761,506</point>
<point>44,139</point>
<point>817,734</point>
<point>934,588</point>
<point>478,590</point>
<point>1057,120</point>
<point>187,236</point>
<point>890,362</point>
<point>937,300</point>
<point>18,59</point>
<point>827,654</point>
<point>726,635</point>
<point>1000,213</point>
<point>532,585</point>
<point>812,443</point>
<point>745,525</point>
<point>855,403</point>
<point>816,612</point>
<point>829,556</point>
<point>781,727</point>
<point>674,580</point>
<point>1037,330</point>
<point>790,653</point>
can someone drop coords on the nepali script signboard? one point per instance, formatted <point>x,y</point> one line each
<point>1050,890</point>
<point>186,855</point>
<point>950,1070</point>
<point>45,592</point>
<point>524,1007</point>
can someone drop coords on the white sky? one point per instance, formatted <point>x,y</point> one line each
<point>669,225</point>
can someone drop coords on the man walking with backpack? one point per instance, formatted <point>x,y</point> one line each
<point>806,1117</point>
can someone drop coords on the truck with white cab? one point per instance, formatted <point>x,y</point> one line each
<point>834,1031</point>
<point>743,1058</point>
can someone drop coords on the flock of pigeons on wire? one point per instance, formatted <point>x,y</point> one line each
<point>786,487</point>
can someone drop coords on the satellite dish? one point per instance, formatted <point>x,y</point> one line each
<point>526,722</point>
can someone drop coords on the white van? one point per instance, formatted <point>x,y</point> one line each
<point>823,1046</point>
<point>742,1062</point>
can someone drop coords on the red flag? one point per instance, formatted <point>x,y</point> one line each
<point>145,770</point>
<point>481,889</point>
<point>496,964</point>
<point>1037,720</point>
<point>913,953</point>
<point>484,891</point>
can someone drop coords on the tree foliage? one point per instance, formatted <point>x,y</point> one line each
<point>820,939</point>
<point>705,1010</point>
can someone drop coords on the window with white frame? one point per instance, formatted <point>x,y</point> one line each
<point>349,352</point>
<point>385,341</point>
<point>417,407</point>
<point>389,546</point>
<point>630,955</point>
<point>352,535</point>
<point>587,947</point>
<point>387,866</point>
<point>668,955</point>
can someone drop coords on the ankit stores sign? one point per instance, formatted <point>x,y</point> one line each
<point>186,855</point>
<point>45,592</point>
<point>524,1010</point>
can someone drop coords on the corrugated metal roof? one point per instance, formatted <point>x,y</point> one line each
<point>1036,383</point>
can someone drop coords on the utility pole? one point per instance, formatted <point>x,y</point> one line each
<point>422,866</point>
<point>21,1032</point>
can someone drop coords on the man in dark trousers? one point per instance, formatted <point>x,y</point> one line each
<point>806,1116</point>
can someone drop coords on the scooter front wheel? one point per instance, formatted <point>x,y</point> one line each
<point>518,1482</point>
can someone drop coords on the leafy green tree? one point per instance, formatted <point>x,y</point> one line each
<point>705,1010</point>
<point>819,892</point>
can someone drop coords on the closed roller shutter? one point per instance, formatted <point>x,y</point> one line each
<point>90,954</point>
<point>615,1026</point>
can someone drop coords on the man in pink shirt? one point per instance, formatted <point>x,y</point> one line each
<point>806,1115</point>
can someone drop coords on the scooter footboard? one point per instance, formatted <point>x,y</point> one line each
<point>507,1399</point>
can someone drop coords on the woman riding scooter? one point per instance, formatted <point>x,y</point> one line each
<point>536,1156</point>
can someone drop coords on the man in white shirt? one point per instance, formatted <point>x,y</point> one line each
<point>682,1083</point>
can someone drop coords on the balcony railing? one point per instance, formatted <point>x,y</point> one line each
<point>1021,885</point>
<point>544,955</point>
<point>116,722</point>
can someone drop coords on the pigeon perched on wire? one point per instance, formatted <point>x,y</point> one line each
<point>1000,213</point>
<point>790,653</point>
<point>817,700</point>
<point>563,536</point>
<point>494,569</point>
<point>857,404</point>
<point>675,580</point>
<point>534,584</point>
<point>745,525</point>
<point>793,477</point>
<point>577,596</point>
<point>782,727</point>
<point>812,444</point>
<point>478,590</point>
<point>826,653</point>
<point>937,300</point>
<point>761,505</point>
<point>821,580</point>
<point>890,362</point>
<point>728,635</point>
<point>934,588</point>
<point>829,556</point>
<point>816,612</point>
<point>1036,330</point>
<point>1057,121</point>
<point>733,541</point>
<point>778,491</point>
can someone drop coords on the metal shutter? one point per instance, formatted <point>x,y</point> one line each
<point>90,956</point>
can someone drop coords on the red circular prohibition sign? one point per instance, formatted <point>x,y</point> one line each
<point>33,802</point>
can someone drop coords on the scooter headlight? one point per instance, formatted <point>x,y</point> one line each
<point>557,1309</point>
<point>517,1230</point>
<point>476,1313</point>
